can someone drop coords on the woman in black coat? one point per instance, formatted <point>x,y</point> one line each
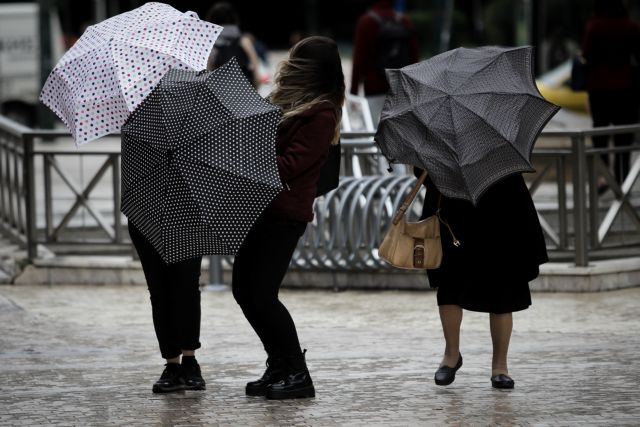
<point>501,247</point>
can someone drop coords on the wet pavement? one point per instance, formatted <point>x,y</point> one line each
<point>86,355</point>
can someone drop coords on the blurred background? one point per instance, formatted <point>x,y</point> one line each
<point>34,34</point>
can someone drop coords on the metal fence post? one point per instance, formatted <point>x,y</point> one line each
<point>115,179</point>
<point>30,197</point>
<point>215,274</point>
<point>579,199</point>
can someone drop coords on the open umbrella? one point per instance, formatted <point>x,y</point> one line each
<point>468,116</point>
<point>115,64</point>
<point>199,162</point>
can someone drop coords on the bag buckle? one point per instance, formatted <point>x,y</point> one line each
<point>418,253</point>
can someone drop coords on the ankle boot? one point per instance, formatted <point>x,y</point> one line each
<point>276,371</point>
<point>297,382</point>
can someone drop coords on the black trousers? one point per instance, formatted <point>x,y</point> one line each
<point>175,297</point>
<point>614,108</point>
<point>258,270</point>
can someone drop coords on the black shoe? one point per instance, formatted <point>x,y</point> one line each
<point>276,371</point>
<point>170,380</point>
<point>445,375</point>
<point>192,376</point>
<point>298,382</point>
<point>502,381</point>
<point>602,188</point>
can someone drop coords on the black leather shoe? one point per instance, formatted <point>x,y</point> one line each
<point>170,380</point>
<point>502,381</point>
<point>445,375</point>
<point>276,371</point>
<point>192,376</point>
<point>297,384</point>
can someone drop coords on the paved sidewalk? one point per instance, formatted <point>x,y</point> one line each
<point>86,355</point>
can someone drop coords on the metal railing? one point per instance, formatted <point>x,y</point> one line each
<point>45,200</point>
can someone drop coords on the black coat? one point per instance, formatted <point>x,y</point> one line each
<point>501,237</point>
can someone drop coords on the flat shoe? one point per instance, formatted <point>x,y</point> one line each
<point>445,375</point>
<point>502,381</point>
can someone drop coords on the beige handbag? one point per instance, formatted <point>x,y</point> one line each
<point>414,245</point>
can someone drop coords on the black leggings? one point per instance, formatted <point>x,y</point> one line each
<point>614,108</point>
<point>258,270</point>
<point>175,297</point>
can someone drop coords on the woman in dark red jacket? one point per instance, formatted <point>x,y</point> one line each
<point>610,46</point>
<point>310,90</point>
<point>366,70</point>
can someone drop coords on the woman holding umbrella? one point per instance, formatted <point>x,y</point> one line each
<point>470,117</point>
<point>310,90</point>
<point>501,247</point>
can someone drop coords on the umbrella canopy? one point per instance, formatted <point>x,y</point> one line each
<point>199,162</point>
<point>115,64</point>
<point>468,116</point>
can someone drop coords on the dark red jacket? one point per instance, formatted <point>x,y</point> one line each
<point>608,45</point>
<point>302,147</point>
<point>364,50</point>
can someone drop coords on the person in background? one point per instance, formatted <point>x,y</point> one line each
<point>233,43</point>
<point>310,90</point>
<point>383,39</point>
<point>611,50</point>
<point>503,228</point>
<point>175,307</point>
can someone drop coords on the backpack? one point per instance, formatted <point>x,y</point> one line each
<point>329,178</point>
<point>393,42</point>
<point>226,48</point>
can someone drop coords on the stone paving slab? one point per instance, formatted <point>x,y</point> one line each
<point>86,355</point>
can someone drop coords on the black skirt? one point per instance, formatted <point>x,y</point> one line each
<point>501,248</point>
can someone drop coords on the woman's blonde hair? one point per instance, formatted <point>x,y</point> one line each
<point>311,75</point>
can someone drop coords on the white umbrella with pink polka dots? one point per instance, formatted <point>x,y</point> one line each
<point>112,68</point>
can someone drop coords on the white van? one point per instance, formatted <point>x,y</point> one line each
<point>20,58</point>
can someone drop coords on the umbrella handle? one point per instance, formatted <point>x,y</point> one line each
<point>407,202</point>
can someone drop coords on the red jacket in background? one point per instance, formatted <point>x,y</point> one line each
<point>364,50</point>
<point>302,147</point>
<point>608,45</point>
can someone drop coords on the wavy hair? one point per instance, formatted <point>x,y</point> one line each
<point>312,74</point>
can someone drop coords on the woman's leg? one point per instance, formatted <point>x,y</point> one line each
<point>184,277</point>
<point>501,326</point>
<point>185,280</point>
<point>600,107</point>
<point>451,319</point>
<point>258,270</point>
<point>156,274</point>
<point>624,111</point>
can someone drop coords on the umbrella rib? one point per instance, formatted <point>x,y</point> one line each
<point>426,84</point>
<point>444,140</point>
<point>491,127</point>
<point>113,58</point>
<point>186,116</point>
<point>64,61</point>
<point>493,60</point>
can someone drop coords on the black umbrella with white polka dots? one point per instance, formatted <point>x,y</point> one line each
<point>199,162</point>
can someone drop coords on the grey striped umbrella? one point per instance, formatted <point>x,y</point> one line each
<point>199,162</point>
<point>468,116</point>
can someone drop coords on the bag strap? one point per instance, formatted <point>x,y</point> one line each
<point>455,241</point>
<point>407,202</point>
<point>409,199</point>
